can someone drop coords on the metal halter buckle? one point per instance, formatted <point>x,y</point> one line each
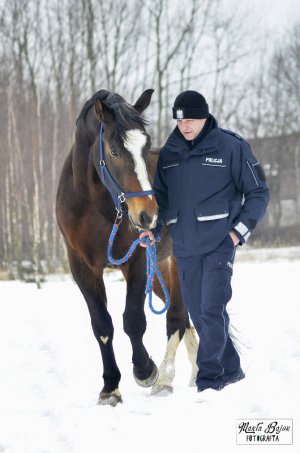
<point>119,216</point>
<point>121,197</point>
<point>102,163</point>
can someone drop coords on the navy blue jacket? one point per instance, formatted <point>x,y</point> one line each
<point>204,192</point>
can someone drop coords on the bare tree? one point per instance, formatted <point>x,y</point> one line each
<point>58,56</point>
<point>275,113</point>
<point>169,33</point>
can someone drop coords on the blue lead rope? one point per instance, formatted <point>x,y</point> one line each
<point>152,267</point>
<point>119,198</point>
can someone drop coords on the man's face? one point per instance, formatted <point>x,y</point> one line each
<point>190,128</point>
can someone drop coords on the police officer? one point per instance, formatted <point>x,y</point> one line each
<point>211,192</point>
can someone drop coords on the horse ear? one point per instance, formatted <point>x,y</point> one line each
<point>143,101</point>
<point>102,110</point>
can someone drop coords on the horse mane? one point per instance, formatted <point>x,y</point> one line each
<point>125,115</point>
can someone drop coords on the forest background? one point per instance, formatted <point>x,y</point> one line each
<point>55,54</point>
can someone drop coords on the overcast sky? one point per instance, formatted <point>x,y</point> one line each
<point>275,14</point>
<point>273,17</point>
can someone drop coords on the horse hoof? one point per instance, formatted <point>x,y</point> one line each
<point>161,390</point>
<point>148,382</point>
<point>110,399</point>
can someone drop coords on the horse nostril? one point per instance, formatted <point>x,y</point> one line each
<point>145,219</point>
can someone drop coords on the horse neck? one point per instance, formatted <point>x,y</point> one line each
<point>86,180</point>
<point>84,139</point>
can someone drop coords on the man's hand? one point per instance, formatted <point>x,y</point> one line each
<point>234,238</point>
<point>151,237</point>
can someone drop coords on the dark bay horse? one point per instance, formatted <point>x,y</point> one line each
<point>85,214</point>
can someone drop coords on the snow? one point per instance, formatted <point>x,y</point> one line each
<point>51,369</point>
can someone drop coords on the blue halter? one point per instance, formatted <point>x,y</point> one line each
<point>120,197</point>
<point>116,193</point>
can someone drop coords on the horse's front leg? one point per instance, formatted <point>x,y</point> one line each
<point>134,321</point>
<point>93,290</point>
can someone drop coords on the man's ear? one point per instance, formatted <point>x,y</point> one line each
<point>143,101</point>
<point>103,112</point>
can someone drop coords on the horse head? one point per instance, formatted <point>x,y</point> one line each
<point>126,145</point>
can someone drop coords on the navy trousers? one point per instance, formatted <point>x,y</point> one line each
<point>206,290</point>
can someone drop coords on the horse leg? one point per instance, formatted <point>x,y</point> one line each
<point>178,326</point>
<point>93,290</point>
<point>192,344</point>
<point>134,322</point>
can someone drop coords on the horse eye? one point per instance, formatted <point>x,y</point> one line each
<point>114,152</point>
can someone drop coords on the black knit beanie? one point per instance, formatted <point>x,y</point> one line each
<point>190,105</point>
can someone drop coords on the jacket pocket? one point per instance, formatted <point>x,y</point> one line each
<point>213,210</point>
<point>172,216</point>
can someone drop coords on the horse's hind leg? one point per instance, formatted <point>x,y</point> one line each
<point>178,326</point>
<point>93,290</point>
<point>134,320</point>
<point>192,344</point>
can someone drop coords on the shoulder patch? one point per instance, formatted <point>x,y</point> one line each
<point>232,133</point>
<point>260,171</point>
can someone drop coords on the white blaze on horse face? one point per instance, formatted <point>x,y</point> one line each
<point>134,143</point>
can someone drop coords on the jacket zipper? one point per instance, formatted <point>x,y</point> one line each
<point>180,204</point>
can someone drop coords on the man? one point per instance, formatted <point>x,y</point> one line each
<point>211,192</point>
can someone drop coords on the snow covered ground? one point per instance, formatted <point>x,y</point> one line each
<point>51,369</point>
